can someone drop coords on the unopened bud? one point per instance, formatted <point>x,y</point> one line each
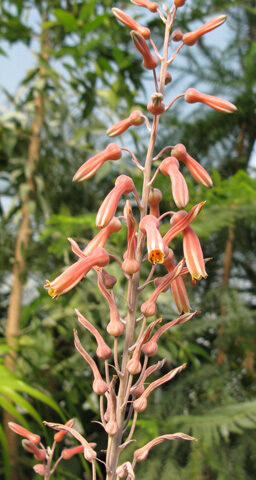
<point>176,36</point>
<point>39,469</point>
<point>179,3</point>
<point>156,104</point>
<point>58,437</point>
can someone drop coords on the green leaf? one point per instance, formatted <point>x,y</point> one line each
<point>66,19</point>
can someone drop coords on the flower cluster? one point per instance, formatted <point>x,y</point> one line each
<point>124,395</point>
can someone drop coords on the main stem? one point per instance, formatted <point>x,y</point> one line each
<point>114,450</point>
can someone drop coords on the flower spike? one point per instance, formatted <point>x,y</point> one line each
<point>192,96</point>
<point>129,22</point>
<point>90,167</point>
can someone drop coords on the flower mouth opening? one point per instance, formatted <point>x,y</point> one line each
<point>156,256</point>
<point>53,292</point>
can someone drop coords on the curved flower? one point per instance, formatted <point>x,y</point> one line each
<point>183,223</point>
<point>129,22</point>
<point>152,6</point>
<point>141,453</point>
<point>149,225</point>
<point>123,185</point>
<point>190,38</point>
<point>135,119</point>
<point>149,61</point>
<point>196,170</point>
<point>170,167</point>
<point>90,167</point>
<point>192,96</point>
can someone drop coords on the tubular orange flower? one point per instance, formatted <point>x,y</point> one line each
<point>170,167</point>
<point>183,223</point>
<point>192,96</point>
<point>154,200</point>
<point>123,185</point>
<point>192,249</point>
<point>130,264</point>
<point>179,291</point>
<point>136,118</point>
<point>196,170</point>
<point>23,432</point>
<point>90,167</point>
<point>39,453</point>
<point>149,61</point>
<point>129,22</point>
<point>149,225</point>
<point>141,453</point>
<point>59,436</point>
<point>152,6</point>
<point>100,239</point>
<point>76,272</point>
<point>191,37</point>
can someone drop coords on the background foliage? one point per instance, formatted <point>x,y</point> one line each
<point>90,78</point>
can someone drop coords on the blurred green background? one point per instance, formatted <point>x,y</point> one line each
<point>85,75</point>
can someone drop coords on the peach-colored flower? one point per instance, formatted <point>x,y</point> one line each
<point>140,404</point>
<point>138,388</point>
<point>192,96</point>
<point>101,237</point>
<point>40,469</point>
<point>98,386</point>
<point>59,436</point>
<point>130,265</point>
<point>152,6</point>
<point>183,223</point>
<point>136,118</point>
<point>196,170</point>
<point>192,249</point>
<point>149,61</point>
<point>123,185</point>
<point>149,226</point>
<point>179,291</point>
<point>23,432</point>
<point>141,453</point>
<point>170,167</point>
<point>154,200</point>
<point>115,326</point>
<point>134,365</point>
<point>90,167</point>
<point>68,453</point>
<point>39,453</point>
<point>191,37</point>
<point>179,3</point>
<point>76,272</point>
<point>103,351</point>
<point>129,22</point>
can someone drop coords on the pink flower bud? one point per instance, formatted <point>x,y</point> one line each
<point>154,200</point>
<point>23,432</point>
<point>39,469</point>
<point>90,167</point>
<point>68,453</point>
<point>192,96</point>
<point>170,167</point>
<point>176,36</point>
<point>196,170</point>
<point>76,272</point>
<point>130,265</point>
<point>123,185</point>
<point>111,426</point>
<point>141,453</point>
<point>179,3</point>
<point>59,436</point>
<point>99,386</point>
<point>129,22</point>
<point>178,288</point>
<point>152,6</point>
<point>134,365</point>
<point>115,327</point>
<point>149,61</point>
<point>183,223</point>
<point>136,118</point>
<point>149,226</point>
<point>190,38</point>
<point>100,239</point>
<point>103,351</point>
<point>39,453</point>
<point>138,388</point>
<point>156,104</point>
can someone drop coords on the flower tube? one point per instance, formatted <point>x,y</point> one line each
<point>191,38</point>
<point>152,6</point>
<point>130,265</point>
<point>149,226</point>
<point>123,185</point>
<point>192,96</point>
<point>136,118</point>
<point>170,167</point>
<point>90,167</point>
<point>129,22</point>
<point>76,272</point>
<point>183,223</point>
<point>141,453</point>
<point>154,200</point>
<point>196,170</point>
<point>149,61</point>
<point>19,430</point>
<point>179,291</point>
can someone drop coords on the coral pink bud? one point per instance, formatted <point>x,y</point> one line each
<point>123,185</point>
<point>90,167</point>
<point>39,453</point>
<point>40,469</point>
<point>138,388</point>
<point>154,199</point>
<point>129,22</point>
<point>150,348</point>
<point>140,404</point>
<point>100,239</point>
<point>179,151</point>
<point>179,3</point>
<point>149,226</point>
<point>149,61</point>
<point>76,272</point>
<point>99,386</point>
<point>23,432</point>
<point>136,118</point>
<point>130,265</point>
<point>115,327</point>
<point>111,427</point>
<point>178,288</point>
<point>176,36</point>
<point>103,351</point>
<point>183,223</point>
<point>68,453</point>
<point>108,280</point>
<point>152,6</point>
<point>59,436</point>
<point>170,167</point>
<point>89,453</point>
<point>141,453</point>
<point>192,96</point>
<point>156,104</point>
<point>198,172</point>
<point>134,365</point>
<point>191,37</point>
<point>193,254</point>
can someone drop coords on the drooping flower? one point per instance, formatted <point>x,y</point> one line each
<point>191,38</point>
<point>141,453</point>
<point>103,351</point>
<point>76,272</point>
<point>149,226</point>
<point>39,453</point>
<point>130,265</point>
<point>192,96</point>
<point>129,22</point>
<point>152,6</point>
<point>149,61</point>
<point>179,291</point>
<point>59,436</point>
<point>171,168</point>
<point>123,185</point>
<point>154,200</point>
<point>90,167</point>
<point>23,432</point>
<point>136,118</point>
<point>196,170</point>
<point>183,223</point>
<point>101,237</point>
